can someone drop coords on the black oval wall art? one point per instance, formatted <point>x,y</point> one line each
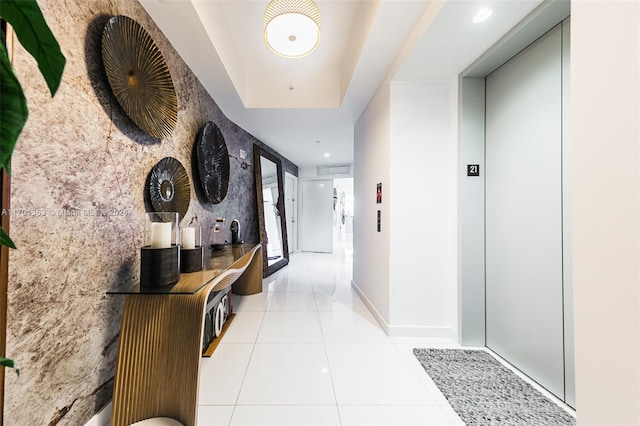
<point>213,163</point>
<point>168,187</point>
<point>139,76</point>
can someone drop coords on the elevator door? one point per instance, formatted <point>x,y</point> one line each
<point>524,253</point>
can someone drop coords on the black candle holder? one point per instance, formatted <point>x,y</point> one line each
<point>159,267</point>
<point>191,260</point>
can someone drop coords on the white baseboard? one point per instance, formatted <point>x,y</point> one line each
<point>405,330</point>
<point>102,417</point>
<point>372,309</point>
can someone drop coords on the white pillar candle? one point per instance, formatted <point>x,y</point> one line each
<point>188,238</point>
<point>160,235</point>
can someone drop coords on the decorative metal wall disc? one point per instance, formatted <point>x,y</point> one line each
<point>139,76</point>
<point>169,189</point>
<point>213,163</point>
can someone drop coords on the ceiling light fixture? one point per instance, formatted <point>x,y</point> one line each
<point>327,155</point>
<point>292,27</point>
<point>482,15</point>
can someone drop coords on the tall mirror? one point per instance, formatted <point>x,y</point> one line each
<point>271,218</point>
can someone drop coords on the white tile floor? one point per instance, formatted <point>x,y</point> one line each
<point>306,351</point>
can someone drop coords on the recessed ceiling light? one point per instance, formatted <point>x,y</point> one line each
<point>482,15</point>
<point>326,155</point>
<point>317,141</point>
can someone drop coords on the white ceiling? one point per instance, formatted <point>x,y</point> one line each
<point>363,42</point>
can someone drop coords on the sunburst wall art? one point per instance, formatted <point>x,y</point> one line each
<point>168,187</point>
<point>213,163</point>
<point>139,76</point>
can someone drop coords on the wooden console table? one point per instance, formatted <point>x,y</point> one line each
<point>162,334</point>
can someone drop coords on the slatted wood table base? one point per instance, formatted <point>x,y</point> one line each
<point>160,349</point>
<point>250,282</point>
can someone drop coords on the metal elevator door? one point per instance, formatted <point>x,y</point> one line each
<point>524,216</point>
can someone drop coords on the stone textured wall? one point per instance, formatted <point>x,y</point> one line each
<point>78,177</point>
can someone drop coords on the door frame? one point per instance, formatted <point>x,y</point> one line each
<point>292,217</point>
<point>471,213</point>
<point>301,226</point>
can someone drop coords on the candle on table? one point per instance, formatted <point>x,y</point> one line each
<point>188,238</point>
<point>160,235</point>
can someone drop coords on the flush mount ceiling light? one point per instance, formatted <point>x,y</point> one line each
<point>292,27</point>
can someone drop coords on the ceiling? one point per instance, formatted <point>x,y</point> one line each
<point>306,108</point>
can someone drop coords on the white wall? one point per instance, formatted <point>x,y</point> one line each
<point>605,117</point>
<point>423,239</point>
<point>407,140</point>
<point>371,166</point>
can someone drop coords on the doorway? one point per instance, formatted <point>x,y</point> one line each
<point>343,209</point>
<point>291,210</point>
<point>317,216</point>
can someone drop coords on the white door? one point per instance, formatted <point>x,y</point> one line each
<point>291,210</point>
<point>524,218</point>
<point>317,216</point>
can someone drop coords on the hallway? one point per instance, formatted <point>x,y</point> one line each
<point>306,351</point>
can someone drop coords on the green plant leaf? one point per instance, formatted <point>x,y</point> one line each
<point>35,35</point>
<point>5,240</point>
<point>13,109</point>
<point>6,362</point>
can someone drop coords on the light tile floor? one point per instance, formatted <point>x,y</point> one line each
<point>306,351</point>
